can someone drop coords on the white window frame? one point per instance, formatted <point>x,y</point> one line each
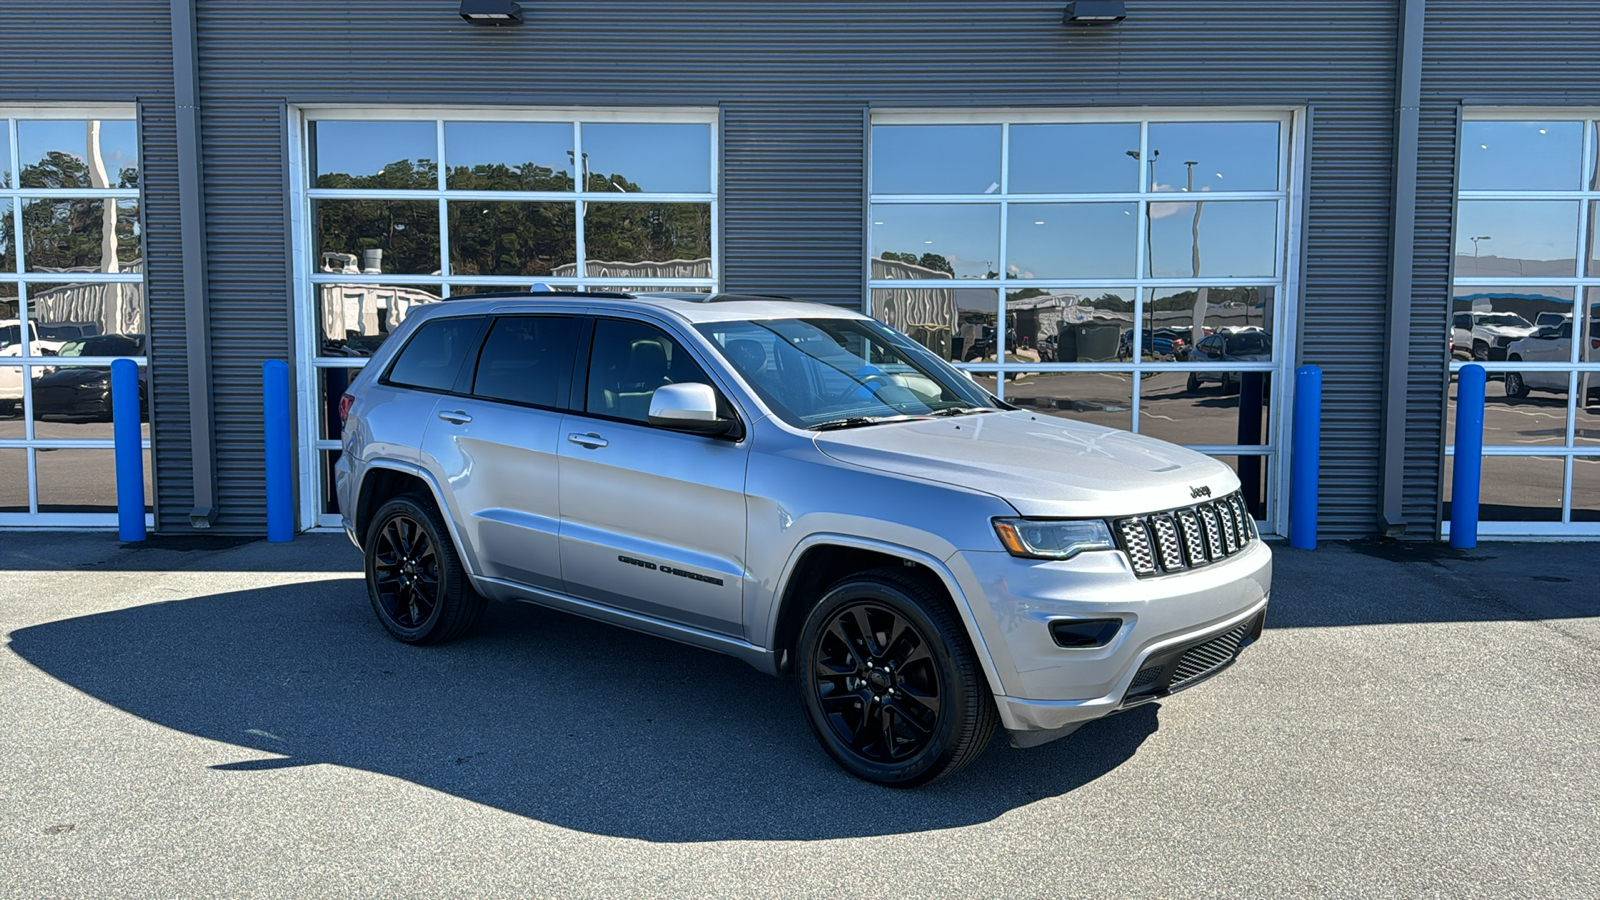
<point>1589,118</point>
<point>303,252</point>
<point>17,194</point>
<point>1285,281</point>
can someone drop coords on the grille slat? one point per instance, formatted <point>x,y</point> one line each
<point>1178,539</point>
<point>1208,657</point>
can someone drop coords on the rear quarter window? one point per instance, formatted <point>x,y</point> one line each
<point>433,357</point>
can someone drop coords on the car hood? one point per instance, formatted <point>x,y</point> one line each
<point>1513,331</point>
<point>1041,465</point>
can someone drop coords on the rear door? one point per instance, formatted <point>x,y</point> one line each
<point>652,520</point>
<point>493,443</point>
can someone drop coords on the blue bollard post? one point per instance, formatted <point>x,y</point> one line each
<point>1469,457</point>
<point>1305,458</point>
<point>275,408</point>
<point>128,442</point>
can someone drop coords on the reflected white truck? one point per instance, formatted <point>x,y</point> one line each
<point>806,489</point>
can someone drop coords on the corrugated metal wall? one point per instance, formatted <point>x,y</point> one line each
<point>794,80</point>
<point>121,52</point>
<point>1477,53</point>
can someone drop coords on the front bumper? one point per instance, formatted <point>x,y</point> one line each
<point>1044,686</point>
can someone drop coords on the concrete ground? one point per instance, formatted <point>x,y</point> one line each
<point>211,717</point>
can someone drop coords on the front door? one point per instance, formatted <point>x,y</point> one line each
<point>652,520</point>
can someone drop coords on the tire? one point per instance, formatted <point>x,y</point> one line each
<point>1230,385</point>
<point>1480,351</point>
<point>8,408</point>
<point>889,682</point>
<point>415,580</point>
<point>1515,386</point>
<point>1194,383</point>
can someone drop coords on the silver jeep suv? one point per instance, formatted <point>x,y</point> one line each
<point>806,489</point>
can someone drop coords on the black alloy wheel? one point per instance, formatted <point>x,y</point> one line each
<point>889,682</point>
<point>1515,386</point>
<point>414,577</point>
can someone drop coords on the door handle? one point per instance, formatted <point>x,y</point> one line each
<point>591,440</point>
<point>455,416</point>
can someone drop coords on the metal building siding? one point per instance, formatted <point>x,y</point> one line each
<point>788,76</point>
<point>794,178</point>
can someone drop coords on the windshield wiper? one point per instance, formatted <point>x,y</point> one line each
<point>859,421</point>
<point>962,410</point>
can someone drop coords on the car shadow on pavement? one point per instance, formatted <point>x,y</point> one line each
<point>540,714</point>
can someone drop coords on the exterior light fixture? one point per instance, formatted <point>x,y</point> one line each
<point>491,12</point>
<point>1095,12</point>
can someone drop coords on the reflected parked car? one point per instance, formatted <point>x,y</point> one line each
<point>1485,336</point>
<point>1550,344</point>
<point>1229,346</point>
<point>85,391</point>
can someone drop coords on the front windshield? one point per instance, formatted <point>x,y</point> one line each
<point>819,372</point>
<point>1509,320</point>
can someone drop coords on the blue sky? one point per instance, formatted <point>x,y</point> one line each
<point>119,145</point>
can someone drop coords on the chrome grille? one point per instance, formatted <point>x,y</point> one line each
<point>1171,552</point>
<point>1136,543</point>
<point>1177,539</point>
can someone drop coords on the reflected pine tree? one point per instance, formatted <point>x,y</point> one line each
<point>933,261</point>
<point>67,233</point>
<point>644,232</point>
<point>407,231</point>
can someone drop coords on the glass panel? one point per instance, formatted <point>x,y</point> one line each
<point>957,324</point>
<point>70,235</point>
<point>647,240</point>
<point>9,306</point>
<point>1067,326</point>
<point>375,237</point>
<point>75,401</point>
<point>1514,488</point>
<point>1253,480</point>
<point>330,498</point>
<point>1242,315</point>
<point>78,154</point>
<point>1533,419</point>
<point>382,155</point>
<point>1100,398</point>
<point>1072,240</point>
<point>935,241</point>
<point>1585,488</point>
<point>508,156</point>
<point>1221,240</point>
<point>986,380</point>
<point>8,243</point>
<point>1074,159</point>
<point>433,356</point>
<point>628,362</point>
<point>82,481</point>
<point>1588,344</point>
<point>1493,323</point>
<point>1521,156</point>
<point>527,359</point>
<point>355,319</point>
<point>508,238</point>
<point>936,159</point>
<point>654,158</point>
<point>1586,423</point>
<point>11,384</point>
<point>1516,238</point>
<point>108,317</point>
<point>13,480</point>
<point>331,385</point>
<point>1212,408</point>
<point>1214,156</point>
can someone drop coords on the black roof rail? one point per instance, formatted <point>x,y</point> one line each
<point>697,297</point>
<point>523,295</point>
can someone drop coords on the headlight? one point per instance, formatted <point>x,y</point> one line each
<point>1044,539</point>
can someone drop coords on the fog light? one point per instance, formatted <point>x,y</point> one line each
<point>1084,633</point>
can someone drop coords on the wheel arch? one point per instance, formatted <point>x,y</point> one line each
<point>823,559</point>
<point>385,479</point>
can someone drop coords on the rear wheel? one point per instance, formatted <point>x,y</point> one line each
<point>1515,386</point>
<point>1194,383</point>
<point>415,580</point>
<point>889,682</point>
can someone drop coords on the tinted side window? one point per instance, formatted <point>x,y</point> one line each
<point>527,359</point>
<point>432,358</point>
<point>629,361</point>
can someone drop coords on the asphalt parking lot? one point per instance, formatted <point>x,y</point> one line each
<point>214,717</point>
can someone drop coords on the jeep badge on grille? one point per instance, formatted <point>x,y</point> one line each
<point>1199,491</point>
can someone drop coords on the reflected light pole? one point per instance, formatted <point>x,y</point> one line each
<point>1475,241</point>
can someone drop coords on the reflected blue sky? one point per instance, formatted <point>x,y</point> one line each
<point>1521,156</point>
<point>1237,239</point>
<point>119,143</point>
<point>1516,238</point>
<point>1073,159</point>
<point>967,236</point>
<point>1072,240</point>
<point>364,148</point>
<point>1227,156</point>
<point>659,158</point>
<point>936,159</point>
<point>511,144</point>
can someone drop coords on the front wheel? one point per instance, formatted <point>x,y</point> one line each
<point>890,683</point>
<point>415,580</point>
<point>1515,386</point>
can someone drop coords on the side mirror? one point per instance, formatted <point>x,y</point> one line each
<point>688,407</point>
